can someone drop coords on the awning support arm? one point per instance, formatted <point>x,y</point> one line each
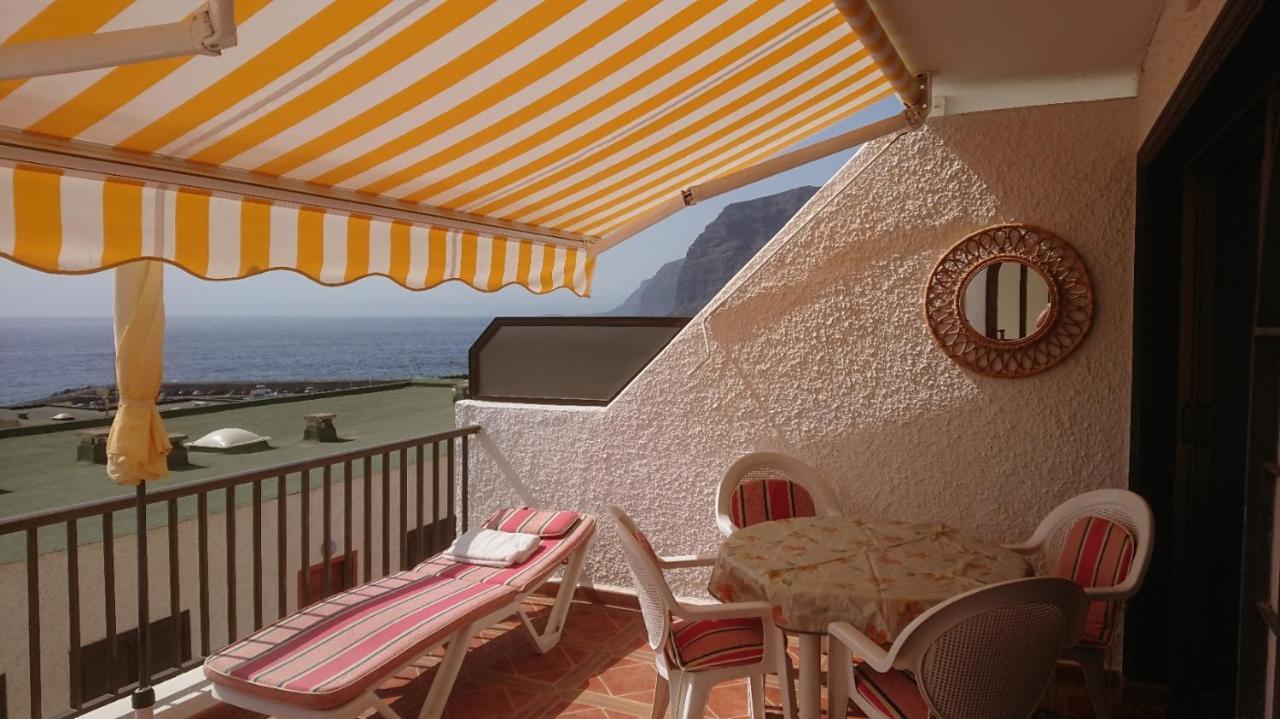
<point>207,31</point>
<point>911,117</point>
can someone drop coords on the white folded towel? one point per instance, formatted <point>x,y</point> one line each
<point>491,548</point>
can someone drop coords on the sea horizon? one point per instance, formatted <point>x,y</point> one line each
<point>40,356</point>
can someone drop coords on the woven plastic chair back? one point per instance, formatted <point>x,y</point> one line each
<point>990,653</point>
<point>654,593</point>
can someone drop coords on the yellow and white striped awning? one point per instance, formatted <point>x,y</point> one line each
<point>489,141</point>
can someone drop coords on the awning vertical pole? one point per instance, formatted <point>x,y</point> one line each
<point>144,697</point>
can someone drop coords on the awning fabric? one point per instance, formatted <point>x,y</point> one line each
<point>72,223</point>
<point>569,118</point>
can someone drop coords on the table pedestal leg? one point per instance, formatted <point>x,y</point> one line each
<point>810,673</point>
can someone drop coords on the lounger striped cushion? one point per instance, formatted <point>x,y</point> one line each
<point>542,522</point>
<point>894,694</point>
<point>551,552</point>
<point>1097,553</point>
<point>766,500</point>
<point>713,643</point>
<point>335,650</point>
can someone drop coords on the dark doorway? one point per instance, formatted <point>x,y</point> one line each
<point>1204,412</point>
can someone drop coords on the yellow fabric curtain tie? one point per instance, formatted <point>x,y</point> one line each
<point>138,446</point>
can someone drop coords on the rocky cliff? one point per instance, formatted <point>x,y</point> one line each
<point>682,287</point>
<point>655,296</point>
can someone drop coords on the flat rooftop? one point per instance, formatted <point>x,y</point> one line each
<point>40,472</point>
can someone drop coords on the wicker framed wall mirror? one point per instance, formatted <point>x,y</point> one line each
<point>1009,301</point>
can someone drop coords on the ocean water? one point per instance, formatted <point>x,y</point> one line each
<point>41,356</point>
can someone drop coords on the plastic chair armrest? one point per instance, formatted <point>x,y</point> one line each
<point>860,646</point>
<point>732,610</point>
<point>1023,548</point>
<point>685,561</point>
<point>1118,593</point>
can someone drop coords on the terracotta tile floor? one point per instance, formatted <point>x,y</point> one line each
<point>602,669</point>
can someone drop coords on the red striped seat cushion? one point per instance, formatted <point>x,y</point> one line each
<point>894,694</point>
<point>766,500</point>
<point>551,552</point>
<point>337,649</point>
<point>542,522</point>
<point>1097,553</point>
<point>715,643</point>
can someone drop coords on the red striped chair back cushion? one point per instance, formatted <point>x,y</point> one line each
<point>715,643</point>
<point>1097,553</point>
<point>770,499</point>
<point>542,522</point>
<point>895,694</point>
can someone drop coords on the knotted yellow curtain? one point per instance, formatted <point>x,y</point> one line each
<point>138,445</point>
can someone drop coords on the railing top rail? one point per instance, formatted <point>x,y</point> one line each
<point>36,520</point>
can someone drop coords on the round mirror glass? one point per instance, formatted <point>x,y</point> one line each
<point>1006,301</point>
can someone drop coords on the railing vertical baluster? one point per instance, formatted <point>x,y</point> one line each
<point>368,518</point>
<point>109,590</point>
<point>33,622</point>
<point>435,497</point>
<point>73,612</point>
<point>282,547</point>
<point>386,513</point>
<point>452,508</point>
<point>232,633</point>
<point>257,555</point>
<point>348,571</point>
<point>305,540</point>
<point>326,549</point>
<point>202,561</point>
<point>466,477</point>
<point>422,529</point>
<point>175,594</point>
<point>404,509</point>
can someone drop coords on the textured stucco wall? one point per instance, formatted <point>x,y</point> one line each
<point>818,347</point>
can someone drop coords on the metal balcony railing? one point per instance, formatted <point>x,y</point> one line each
<point>422,481</point>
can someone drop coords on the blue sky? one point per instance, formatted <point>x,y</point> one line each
<point>28,293</point>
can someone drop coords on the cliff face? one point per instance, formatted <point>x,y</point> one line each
<point>655,296</point>
<point>682,287</point>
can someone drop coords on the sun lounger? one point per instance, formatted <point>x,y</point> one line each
<point>328,659</point>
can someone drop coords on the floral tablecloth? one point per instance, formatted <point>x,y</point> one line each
<point>877,575</point>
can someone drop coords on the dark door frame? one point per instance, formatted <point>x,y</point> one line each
<point>1228,77</point>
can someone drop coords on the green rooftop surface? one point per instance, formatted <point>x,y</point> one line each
<point>40,472</point>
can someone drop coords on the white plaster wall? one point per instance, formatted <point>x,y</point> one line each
<point>1174,43</point>
<point>818,349</point>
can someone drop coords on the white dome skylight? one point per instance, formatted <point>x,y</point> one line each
<point>230,439</point>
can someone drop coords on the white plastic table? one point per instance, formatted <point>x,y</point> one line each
<point>877,575</point>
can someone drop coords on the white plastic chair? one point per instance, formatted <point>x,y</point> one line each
<point>987,653</point>
<point>814,498</point>
<point>1046,546</point>
<point>683,681</point>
